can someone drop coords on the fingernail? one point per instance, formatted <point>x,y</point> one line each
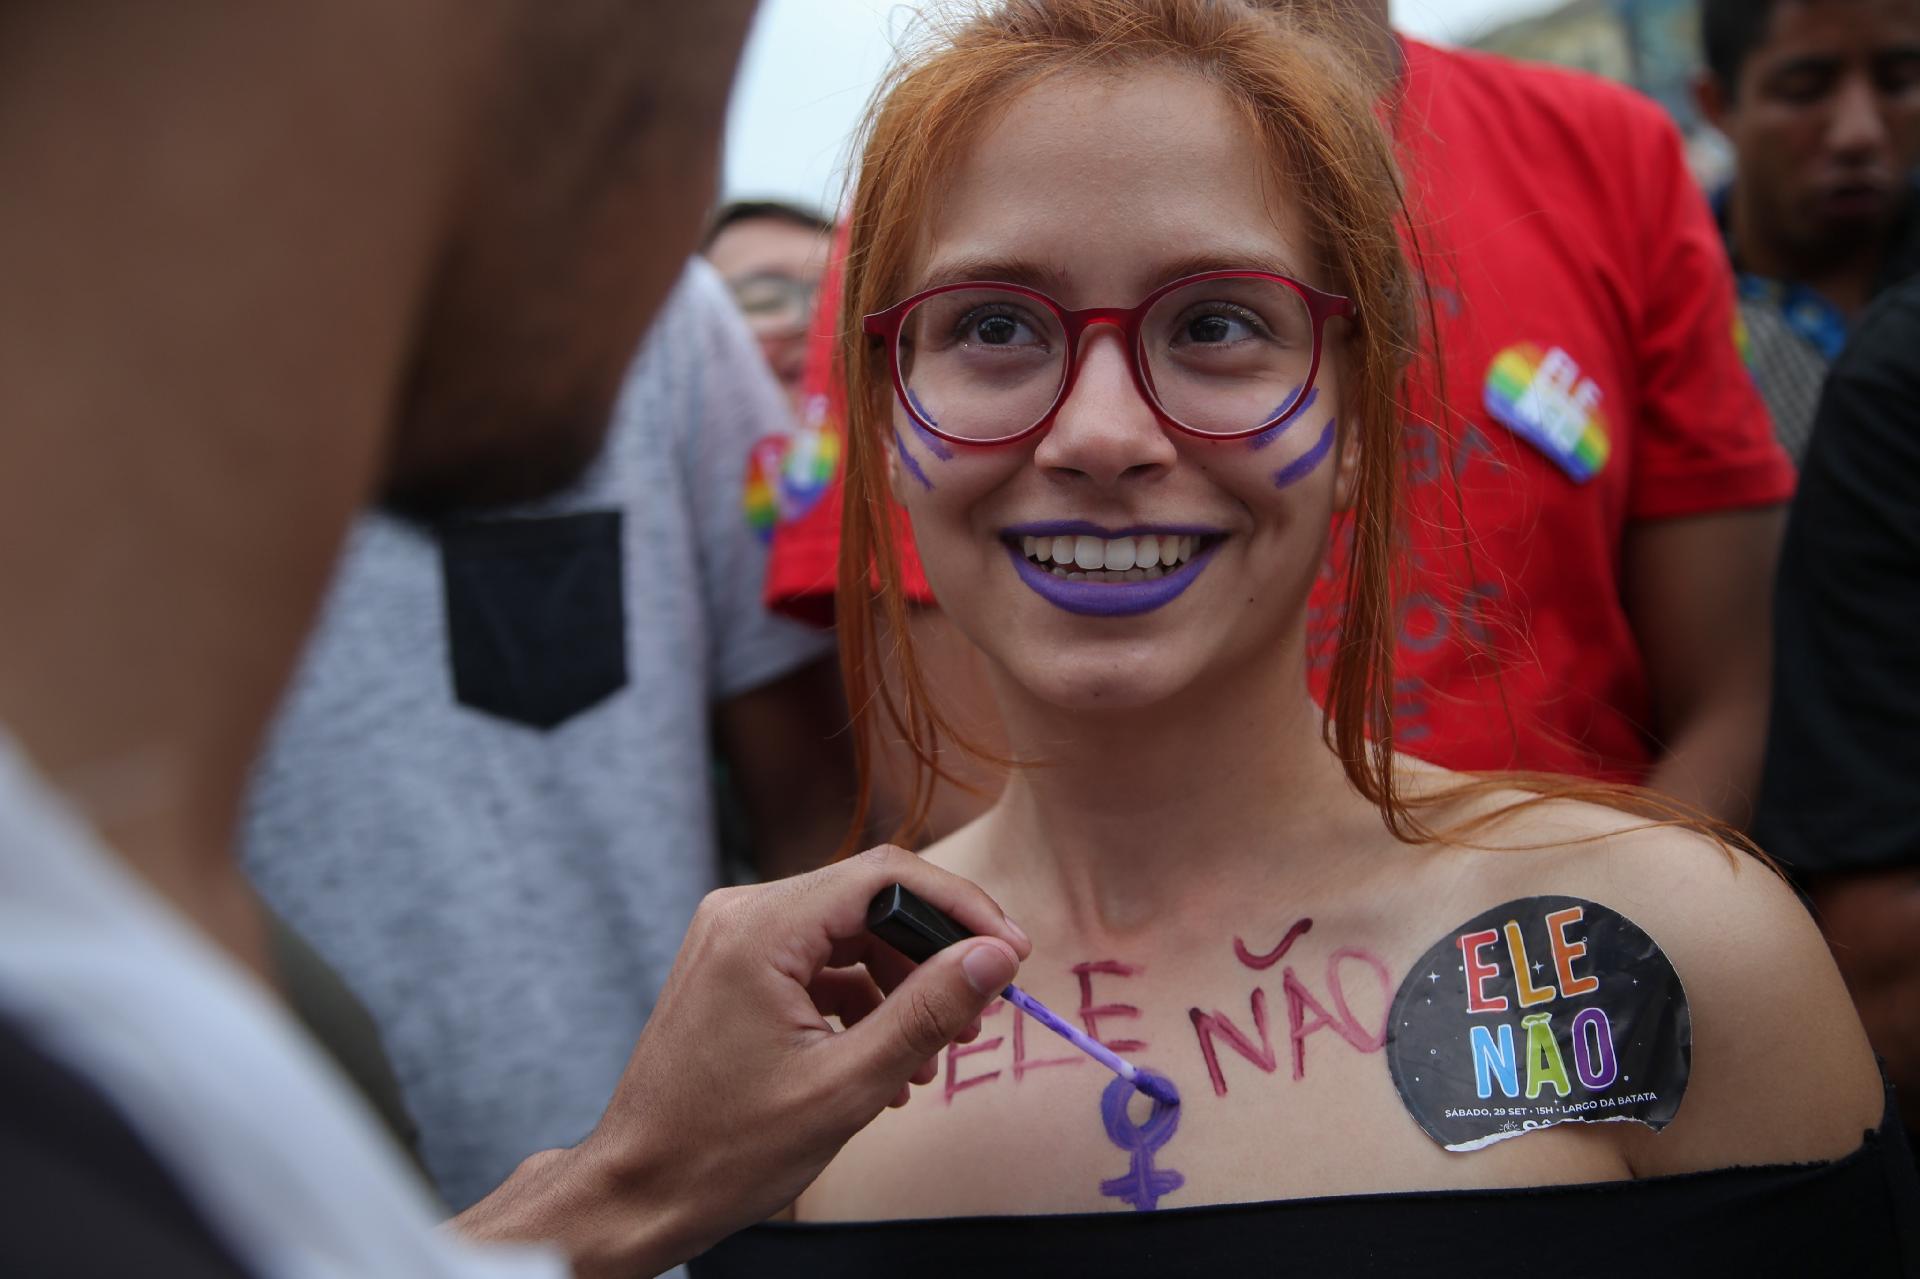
<point>1017,931</point>
<point>988,968</point>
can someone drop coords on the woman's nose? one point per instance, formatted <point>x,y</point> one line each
<point>1105,429</point>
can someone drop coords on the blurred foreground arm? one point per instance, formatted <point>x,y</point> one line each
<point>739,1092</point>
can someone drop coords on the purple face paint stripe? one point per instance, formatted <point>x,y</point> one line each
<point>935,445</point>
<point>1143,1186</point>
<point>1265,438</point>
<point>913,466</point>
<point>1304,465</point>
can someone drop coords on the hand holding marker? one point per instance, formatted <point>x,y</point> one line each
<point>919,931</point>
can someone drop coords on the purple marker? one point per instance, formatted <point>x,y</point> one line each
<point>1108,598</point>
<point>1150,1084</point>
<point>919,931</point>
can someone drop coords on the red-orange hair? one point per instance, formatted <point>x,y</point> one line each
<point>1310,102</point>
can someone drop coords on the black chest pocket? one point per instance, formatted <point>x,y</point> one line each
<point>536,615</point>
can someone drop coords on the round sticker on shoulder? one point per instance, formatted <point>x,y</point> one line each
<point>1547,1010</point>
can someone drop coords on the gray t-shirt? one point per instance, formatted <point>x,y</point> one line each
<point>487,800</point>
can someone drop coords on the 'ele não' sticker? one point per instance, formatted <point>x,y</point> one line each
<point>1546,1010</point>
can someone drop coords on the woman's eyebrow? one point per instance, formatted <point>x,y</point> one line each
<point>1229,260</point>
<point>1033,273</point>
<point>1051,279</point>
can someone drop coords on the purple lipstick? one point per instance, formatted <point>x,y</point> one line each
<point>1109,598</point>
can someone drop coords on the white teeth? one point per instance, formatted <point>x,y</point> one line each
<point>1116,559</point>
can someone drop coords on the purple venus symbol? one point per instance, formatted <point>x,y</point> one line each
<point>1143,1184</point>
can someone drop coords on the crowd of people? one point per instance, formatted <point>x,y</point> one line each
<point>1276,507</point>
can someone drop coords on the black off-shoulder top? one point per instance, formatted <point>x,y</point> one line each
<point>1856,1216</point>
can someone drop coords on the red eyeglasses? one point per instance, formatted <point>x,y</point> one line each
<point>1222,355</point>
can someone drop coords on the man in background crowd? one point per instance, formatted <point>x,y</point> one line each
<point>1837,805</point>
<point>1821,101</point>
<point>486,801</point>
<point>1593,517</point>
<point>772,255</point>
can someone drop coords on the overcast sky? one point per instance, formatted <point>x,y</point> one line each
<point>810,65</point>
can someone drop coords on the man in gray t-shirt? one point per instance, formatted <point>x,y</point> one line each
<point>487,800</point>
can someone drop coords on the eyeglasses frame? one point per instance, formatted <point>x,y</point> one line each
<point>804,293</point>
<point>1321,307</point>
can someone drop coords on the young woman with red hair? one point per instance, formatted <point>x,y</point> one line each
<point>1128,310</point>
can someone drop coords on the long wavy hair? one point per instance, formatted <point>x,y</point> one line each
<point>1309,99</point>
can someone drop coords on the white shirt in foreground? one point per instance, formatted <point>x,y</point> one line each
<point>288,1166</point>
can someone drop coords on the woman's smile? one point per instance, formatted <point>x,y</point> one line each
<point>1085,569</point>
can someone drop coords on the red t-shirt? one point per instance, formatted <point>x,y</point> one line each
<point>805,550</point>
<point>1585,312</point>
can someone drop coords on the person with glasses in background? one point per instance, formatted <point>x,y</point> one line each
<point>1128,343</point>
<point>772,255</point>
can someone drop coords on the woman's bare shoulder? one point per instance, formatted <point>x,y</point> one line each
<point>1781,1068</point>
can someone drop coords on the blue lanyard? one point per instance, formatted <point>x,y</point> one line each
<point>1816,320</point>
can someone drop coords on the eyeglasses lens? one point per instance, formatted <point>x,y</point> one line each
<point>1226,356</point>
<point>982,364</point>
<point>774,303</point>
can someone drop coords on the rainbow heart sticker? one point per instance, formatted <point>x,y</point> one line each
<point>1542,397</point>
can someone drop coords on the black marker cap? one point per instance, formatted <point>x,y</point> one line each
<point>910,925</point>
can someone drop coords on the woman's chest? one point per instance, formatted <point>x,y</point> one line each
<point>1276,1046</point>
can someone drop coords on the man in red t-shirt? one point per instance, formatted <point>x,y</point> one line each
<point>1593,523</point>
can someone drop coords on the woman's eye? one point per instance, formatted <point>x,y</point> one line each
<point>1217,328</point>
<point>998,330</point>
